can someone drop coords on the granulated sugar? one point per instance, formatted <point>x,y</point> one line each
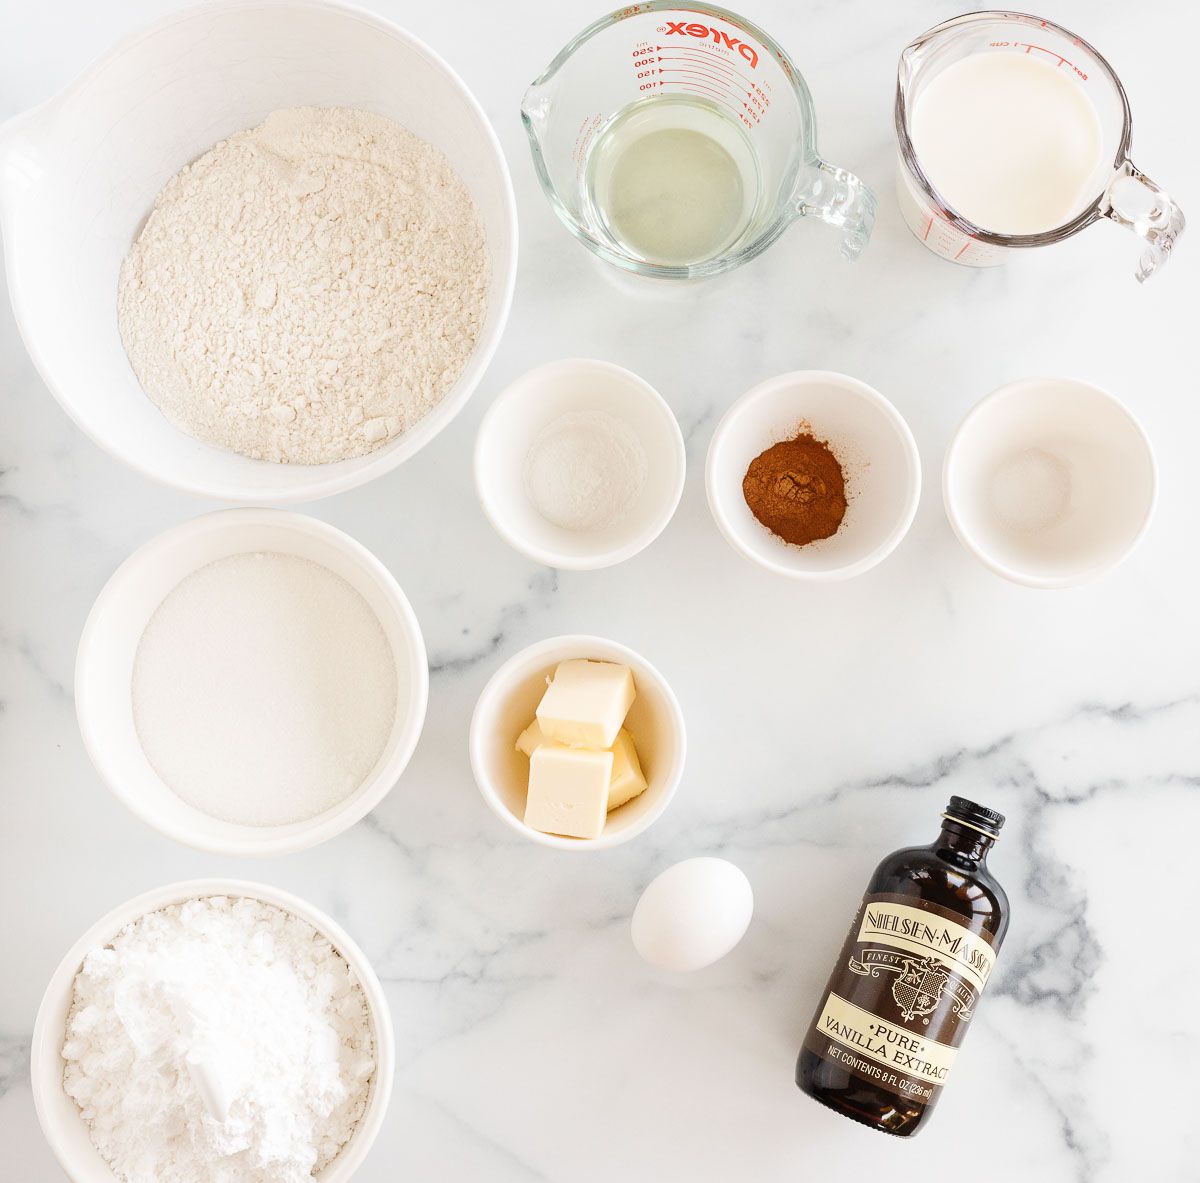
<point>308,289</point>
<point>244,996</point>
<point>264,689</point>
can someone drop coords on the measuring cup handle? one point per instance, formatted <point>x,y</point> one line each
<point>1132,199</point>
<point>839,199</point>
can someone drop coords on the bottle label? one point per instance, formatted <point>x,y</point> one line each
<point>902,995</point>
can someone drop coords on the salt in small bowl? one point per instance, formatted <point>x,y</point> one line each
<point>1049,482</point>
<point>525,409</point>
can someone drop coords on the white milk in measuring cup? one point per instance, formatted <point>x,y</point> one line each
<point>1009,128</point>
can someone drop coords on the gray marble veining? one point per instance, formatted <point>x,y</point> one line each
<point>827,724</point>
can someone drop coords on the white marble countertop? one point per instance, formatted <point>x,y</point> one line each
<point>828,724</point>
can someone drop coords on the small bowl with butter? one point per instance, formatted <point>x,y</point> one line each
<point>578,743</point>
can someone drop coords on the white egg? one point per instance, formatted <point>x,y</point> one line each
<point>692,914</point>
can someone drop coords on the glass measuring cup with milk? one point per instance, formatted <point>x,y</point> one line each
<point>1015,133</point>
<point>679,142</point>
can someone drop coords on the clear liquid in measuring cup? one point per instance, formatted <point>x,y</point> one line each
<point>672,181</point>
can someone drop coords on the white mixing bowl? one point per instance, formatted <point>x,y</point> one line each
<point>57,1113</point>
<point>79,174</point>
<point>108,648</point>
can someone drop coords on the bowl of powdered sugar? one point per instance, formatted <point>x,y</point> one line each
<point>251,682</point>
<point>268,250</point>
<point>213,1029</point>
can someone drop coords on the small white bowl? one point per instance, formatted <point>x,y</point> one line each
<point>529,405</point>
<point>1049,482</point>
<point>58,1114</point>
<point>107,648</point>
<point>872,443</point>
<point>507,705</point>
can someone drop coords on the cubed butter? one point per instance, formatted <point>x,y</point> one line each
<point>627,779</point>
<point>586,703</point>
<point>568,790</point>
<point>530,738</point>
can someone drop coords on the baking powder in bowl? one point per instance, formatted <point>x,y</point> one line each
<point>585,470</point>
<point>221,1040</point>
<point>264,689</point>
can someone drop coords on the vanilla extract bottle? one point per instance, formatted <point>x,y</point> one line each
<point>908,979</point>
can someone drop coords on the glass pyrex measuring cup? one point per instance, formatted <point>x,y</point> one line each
<point>659,68</point>
<point>1116,190</point>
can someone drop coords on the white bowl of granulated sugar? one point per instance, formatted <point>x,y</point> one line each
<point>251,682</point>
<point>262,252</point>
<point>213,1007</point>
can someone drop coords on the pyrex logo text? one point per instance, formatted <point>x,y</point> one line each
<point>748,52</point>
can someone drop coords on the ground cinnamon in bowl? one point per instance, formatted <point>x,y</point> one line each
<point>796,488</point>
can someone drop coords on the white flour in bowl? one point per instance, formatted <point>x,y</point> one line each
<point>306,290</point>
<point>256,995</point>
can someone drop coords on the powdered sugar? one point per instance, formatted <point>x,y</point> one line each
<point>246,988</point>
<point>306,290</point>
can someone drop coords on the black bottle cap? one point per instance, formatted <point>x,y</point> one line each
<point>978,817</point>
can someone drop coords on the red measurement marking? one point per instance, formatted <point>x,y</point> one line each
<point>712,59</point>
<point>715,79</point>
<point>702,74</point>
<point>965,247</point>
<point>722,100</point>
<point>717,94</point>
<point>928,227</point>
<point>711,80</point>
<point>1062,61</point>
